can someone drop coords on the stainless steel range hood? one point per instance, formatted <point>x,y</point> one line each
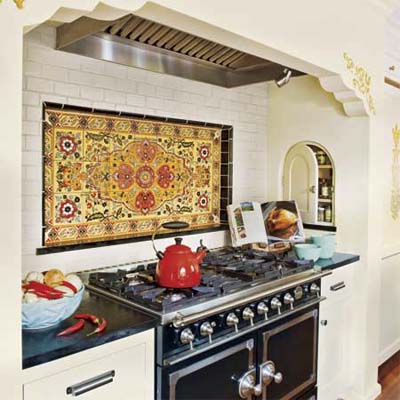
<point>140,43</point>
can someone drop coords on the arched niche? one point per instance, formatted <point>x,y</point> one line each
<point>309,178</point>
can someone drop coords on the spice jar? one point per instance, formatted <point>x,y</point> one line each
<point>321,214</point>
<point>328,214</point>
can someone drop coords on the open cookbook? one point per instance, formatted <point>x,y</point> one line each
<point>276,221</point>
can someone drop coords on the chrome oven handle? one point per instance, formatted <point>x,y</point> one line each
<point>268,374</point>
<point>91,384</point>
<point>248,386</point>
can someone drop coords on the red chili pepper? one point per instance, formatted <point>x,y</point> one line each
<point>47,295</point>
<point>73,328</point>
<point>41,287</point>
<point>88,317</point>
<point>100,328</point>
<point>70,286</point>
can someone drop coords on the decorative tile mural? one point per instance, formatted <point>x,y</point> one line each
<point>108,176</point>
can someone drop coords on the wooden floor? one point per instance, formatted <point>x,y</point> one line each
<point>389,378</point>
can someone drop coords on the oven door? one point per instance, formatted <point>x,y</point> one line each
<point>215,377</point>
<point>289,357</point>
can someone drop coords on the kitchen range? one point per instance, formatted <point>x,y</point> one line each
<point>249,329</point>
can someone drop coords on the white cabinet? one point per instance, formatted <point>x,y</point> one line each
<point>334,335</point>
<point>122,372</point>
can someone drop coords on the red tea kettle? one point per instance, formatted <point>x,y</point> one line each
<point>178,267</point>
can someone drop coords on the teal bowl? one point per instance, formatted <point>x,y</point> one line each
<point>327,243</point>
<point>307,251</point>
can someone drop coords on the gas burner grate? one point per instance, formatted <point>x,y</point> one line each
<point>223,272</point>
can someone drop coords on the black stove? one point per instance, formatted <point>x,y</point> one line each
<point>224,271</point>
<point>237,330</point>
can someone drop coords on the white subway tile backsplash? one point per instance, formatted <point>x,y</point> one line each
<point>146,89</point>
<point>55,76</point>
<point>92,93</point>
<point>32,68</point>
<point>31,128</point>
<point>39,85</point>
<point>55,73</point>
<point>33,113</point>
<point>135,100</point>
<point>112,96</point>
<point>66,89</point>
<point>155,102</point>
<point>30,98</point>
<point>51,98</point>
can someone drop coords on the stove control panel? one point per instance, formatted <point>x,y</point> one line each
<point>239,319</point>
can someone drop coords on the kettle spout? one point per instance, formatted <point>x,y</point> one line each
<point>199,256</point>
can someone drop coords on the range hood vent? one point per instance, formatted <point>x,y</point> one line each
<point>141,43</point>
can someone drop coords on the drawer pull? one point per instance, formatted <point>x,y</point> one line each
<point>91,384</point>
<point>338,286</point>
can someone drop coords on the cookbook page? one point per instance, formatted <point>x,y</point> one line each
<point>282,221</point>
<point>246,224</point>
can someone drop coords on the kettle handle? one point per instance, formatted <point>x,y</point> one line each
<point>201,247</point>
<point>167,225</point>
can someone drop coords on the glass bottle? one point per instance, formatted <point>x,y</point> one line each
<point>324,189</point>
<point>328,214</point>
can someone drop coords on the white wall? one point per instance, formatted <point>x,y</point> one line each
<point>54,76</point>
<point>389,342</point>
<point>302,111</point>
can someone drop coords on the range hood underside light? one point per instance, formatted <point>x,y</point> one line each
<point>139,43</point>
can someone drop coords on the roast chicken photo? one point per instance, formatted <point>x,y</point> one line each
<point>281,223</point>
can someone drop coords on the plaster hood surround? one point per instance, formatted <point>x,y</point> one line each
<point>141,43</point>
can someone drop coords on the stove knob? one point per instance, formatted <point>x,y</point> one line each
<point>248,314</point>
<point>276,305</point>
<point>187,337</point>
<point>314,289</point>
<point>207,329</point>
<point>262,309</point>
<point>232,320</point>
<point>298,293</point>
<point>288,299</point>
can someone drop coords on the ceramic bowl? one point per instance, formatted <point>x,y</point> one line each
<point>327,243</point>
<point>307,251</point>
<point>45,314</point>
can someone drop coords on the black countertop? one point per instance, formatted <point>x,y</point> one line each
<point>42,346</point>
<point>338,260</point>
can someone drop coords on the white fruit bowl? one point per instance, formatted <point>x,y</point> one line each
<point>45,314</point>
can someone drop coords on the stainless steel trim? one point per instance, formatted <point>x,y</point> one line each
<point>243,331</point>
<point>175,376</point>
<point>183,318</point>
<point>280,328</point>
<point>91,384</point>
<point>210,307</point>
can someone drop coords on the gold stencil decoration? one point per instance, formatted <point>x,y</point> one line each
<point>19,3</point>
<point>361,81</point>
<point>395,198</point>
<point>108,177</point>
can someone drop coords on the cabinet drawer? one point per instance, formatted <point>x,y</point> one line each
<point>339,284</point>
<point>126,374</point>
